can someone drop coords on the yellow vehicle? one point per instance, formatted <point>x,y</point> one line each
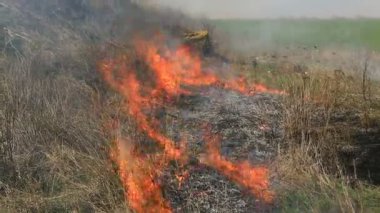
<point>196,36</point>
<point>200,40</point>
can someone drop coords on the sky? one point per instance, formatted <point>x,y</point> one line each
<point>256,9</point>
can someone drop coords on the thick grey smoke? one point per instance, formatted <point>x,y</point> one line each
<point>99,18</point>
<point>57,35</point>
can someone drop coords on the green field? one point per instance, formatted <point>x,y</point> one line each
<point>351,33</point>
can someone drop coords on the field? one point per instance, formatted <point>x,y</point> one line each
<point>343,33</point>
<point>105,107</point>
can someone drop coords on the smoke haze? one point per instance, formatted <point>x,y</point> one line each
<point>254,9</point>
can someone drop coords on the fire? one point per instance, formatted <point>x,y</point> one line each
<point>241,85</point>
<point>177,68</point>
<point>181,177</point>
<point>138,178</point>
<point>255,179</point>
<point>129,88</point>
<point>175,73</point>
<point>174,69</point>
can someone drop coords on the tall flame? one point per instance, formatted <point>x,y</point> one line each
<point>129,88</point>
<point>173,71</point>
<point>138,176</point>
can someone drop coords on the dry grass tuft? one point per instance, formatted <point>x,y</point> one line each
<point>325,114</point>
<point>322,114</point>
<point>53,152</point>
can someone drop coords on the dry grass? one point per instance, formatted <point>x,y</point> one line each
<point>322,113</point>
<point>304,185</point>
<point>53,153</point>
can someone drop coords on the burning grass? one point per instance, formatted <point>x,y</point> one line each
<point>172,71</point>
<point>310,155</point>
<point>255,179</point>
<point>69,144</point>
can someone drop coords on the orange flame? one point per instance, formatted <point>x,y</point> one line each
<point>255,179</point>
<point>181,177</point>
<point>129,88</point>
<point>173,71</point>
<point>175,68</point>
<point>138,178</point>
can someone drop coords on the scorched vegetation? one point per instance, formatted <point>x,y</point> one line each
<point>106,107</point>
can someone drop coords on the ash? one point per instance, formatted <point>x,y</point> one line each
<point>251,130</point>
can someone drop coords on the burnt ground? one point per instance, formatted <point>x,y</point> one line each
<point>363,156</point>
<point>250,127</point>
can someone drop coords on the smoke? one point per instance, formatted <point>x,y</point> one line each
<point>98,19</point>
<point>70,36</point>
<point>253,9</point>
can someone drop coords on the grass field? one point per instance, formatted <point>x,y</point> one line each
<point>59,119</point>
<point>348,33</point>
